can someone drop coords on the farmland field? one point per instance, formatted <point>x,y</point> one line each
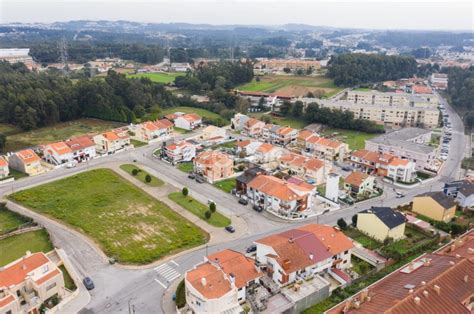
<point>292,85</point>
<point>124,221</point>
<point>160,77</point>
<point>58,132</point>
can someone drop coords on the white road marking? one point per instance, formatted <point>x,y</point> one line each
<point>176,264</point>
<point>161,266</point>
<point>159,282</point>
<point>167,272</point>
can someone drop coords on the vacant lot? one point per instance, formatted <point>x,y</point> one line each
<point>202,112</point>
<point>199,209</point>
<point>9,220</point>
<point>16,246</point>
<point>8,129</point>
<point>292,85</point>
<point>161,77</point>
<point>226,185</point>
<point>141,175</point>
<point>283,121</point>
<point>355,139</point>
<point>127,223</point>
<point>58,132</point>
<point>363,239</point>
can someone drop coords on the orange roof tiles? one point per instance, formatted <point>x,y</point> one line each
<point>335,240</point>
<point>6,300</point>
<point>16,272</point>
<point>60,148</point>
<point>111,136</point>
<point>285,130</point>
<point>323,141</point>
<point>265,148</point>
<point>81,142</point>
<point>304,134</point>
<point>150,126</point>
<point>48,276</point>
<point>164,123</point>
<point>3,162</point>
<point>28,156</point>
<point>191,117</point>
<point>356,178</point>
<point>297,160</point>
<point>209,281</point>
<point>251,122</point>
<point>399,162</point>
<point>213,157</point>
<point>278,188</point>
<point>243,143</point>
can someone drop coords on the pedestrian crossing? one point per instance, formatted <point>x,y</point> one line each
<point>168,272</point>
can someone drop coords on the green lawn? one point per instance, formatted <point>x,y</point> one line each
<point>9,220</point>
<point>355,139</point>
<point>225,145</point>
<point>8,129</point>
<point>68,282</point>
<point>202,112</point>
<point>180,130</point>
<point>58,132</point>
<point>363,239</point>
<point>198,209</point>
<point>141,175</point>
<point>137,144</point>
<point>283,121</point>
<point>160,77</point>
<point>127,223</point>
<point>359,266</point>
<point>187,167</point>
<point>16,246</point>
<point>226,185</point>
<point>17,174</point>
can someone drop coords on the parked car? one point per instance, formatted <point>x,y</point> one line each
<point>200,180</point>
<point>243,201</point>
<point>257,208</point>
<point>88,283</point>
<point>251,248</point>
<point>400,195</point>
<point>71,165</point>
<point>230,229</point>
<point>192,176</point>
<point>346,168</point>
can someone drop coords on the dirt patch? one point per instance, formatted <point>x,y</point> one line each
<point>302,91</point>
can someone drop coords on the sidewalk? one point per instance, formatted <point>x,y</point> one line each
<point>167,303</point>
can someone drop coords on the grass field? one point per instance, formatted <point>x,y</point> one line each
<point>9,220</point>
<point>355,139</point>
<point>366,241</point>
<point>137,144</point>
<point>68,282</point>
<point>141,175</point>
<point>186,167</point>
<point>292,85</point>
<point>161,77</point>
<point>58,132</point>
<point>283,121</point>
<point>8,129</point>
<point>226,185</point>
<point>198,209</point>
<point>16,246</point>
<point>127,223</point>
<point>202,112</point>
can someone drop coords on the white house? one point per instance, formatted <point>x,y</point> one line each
<point>151,130</point>
<point>180,152</point>
<point>112,141</point>
<point>57,153</point>
<point>266,153</point>
<point>83,148</point>
<point>238,121</point>
<point>188,121</point>
<point>212,132</point>
<point>249,147</point>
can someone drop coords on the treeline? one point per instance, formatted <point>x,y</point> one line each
<point>461,92</point>
<point>82,52</point>
<point>353,69</point>
<point>30,100</point>
<point>332,117</point>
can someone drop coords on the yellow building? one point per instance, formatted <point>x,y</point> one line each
<point>434,205</point>
<point>381,223</point>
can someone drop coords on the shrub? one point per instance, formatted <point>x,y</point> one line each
<point>180,295</point>
<point>342,224</point>
<point>212,207</point>
<point>185,191</point>
<point>208,214</point>
<point>135,172</point>
<point>354,220</point>
<point>148,178</point>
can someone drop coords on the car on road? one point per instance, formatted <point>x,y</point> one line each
<point>243,201</point>
<point>257,208</point>
<point>346,168</point>
<point>400,195</point>
<point>192,176</point>
<point>251,249</point>
<point>88,283</point>
<point>71,165</point>
<point>200,180</point>
<point>230,229</point>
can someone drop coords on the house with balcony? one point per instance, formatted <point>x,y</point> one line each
<point>266,153</point>
<point>284,136</point>
<point>305,167</point>
<point>187,121</point>
<point>182,151</point>
<point>4,170</point>
<point>151,130</point>
<point>112,141</point>
<point>214,166</point>
<point>303,252</point>
<point>220,283</point>
<point>360,185</point>
<point>28,282</point>
<point>324,148</point>
<point>247,147</point>
<point>253,127</point>
<point>82,147</point>
<point>280,197</point>
<point>57,153</point>
<point>26,161</point>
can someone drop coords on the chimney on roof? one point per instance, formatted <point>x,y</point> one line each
<point>311,256</point>
<point>427,262</point>
<point>425,293</point>
<point>452,263</point>
<point>364,294</point>
<point>23,266</point>
<point>423,283</point>
<point>348,305</point>
<point>357,304</point>
<point>453,247</point>
<point>329,248</point>
<point>232,279</point>
<point>458,256</point>
<point>466,278</point>
<point>203,281</point>
<point>470,250</point>
<point>437,289</point>
<point>290,239</point>
<point>28,253</point>
<point>410,291</point>
<point>417,300</point>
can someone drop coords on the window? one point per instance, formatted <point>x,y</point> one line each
<point>51,286</point>
<point>44,269</point>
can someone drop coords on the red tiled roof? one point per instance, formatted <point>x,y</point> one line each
<point>81,142</point>
<point>28,156</point>
<point>335,240</point>
<point>273,186</point>
<point>16,272</point>
<point>265,148</point>
<point>3,162</point>
<point>6,300</point>
<point>111,136</point>
<point>48,276</point>
<point>213,157</point>
<point>215,284</point>
<point>356,178</point>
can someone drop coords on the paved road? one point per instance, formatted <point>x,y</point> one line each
<point>121,290</point>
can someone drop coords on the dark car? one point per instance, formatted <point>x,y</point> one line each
<point>243,201</point>
<point>230,229</point>
<point>257,208</point>
<point>346,168</point>
<point>200,180</point>
<point>251,248</point>
<point>88,283</point>
<point>192,176</point>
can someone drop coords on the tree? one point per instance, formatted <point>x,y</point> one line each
<point>285,108</point>
<point>185,191</point>
<point>3,141</point>
<point>208,214</point>
<point>354,220</point>
<point>261,102</point>
<point>469,121</point>
<point>297,109</point>
<point>342,223</point>
<point>147,178</point>
<point>257,79</point>
<point>287,70</point>
<point>212,207</point>
<point>134,171</point>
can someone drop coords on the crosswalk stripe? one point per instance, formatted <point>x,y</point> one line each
<point>161,284</point>
<point>173,278</point>
<point>161,266</point>
<point>175,264</point>
<point>169,276</point>
<point>167,273</point>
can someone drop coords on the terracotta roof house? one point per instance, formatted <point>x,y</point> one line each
<point>83,148</point>
<point>214,165</point>
<point>324,148</point>
<point>303,252</point>
<point>4,170</point>
<point>187,121</point>
<point>26,161</point>
<point>218,285</point>
<point>253,127</point>
<point>182,151</point>
<point>33,274</point>
<point>267,152</point>
<point>305,167</point>
<point>359,184</point>
<point>57,153</point>
<point>111,141</point>
<point>151,130</point>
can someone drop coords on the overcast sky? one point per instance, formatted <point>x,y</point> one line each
<point>378,14</point>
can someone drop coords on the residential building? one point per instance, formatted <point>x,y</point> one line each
<point>82,147</point>
<point>212,132</point>
<point>393,99</point>
<point>237,123</point>
<point>302,137</point>
<point>283,136</point>
<point>383,164</point>
<point>408,143</point>
<point>269,132</point>
<point>244,179</point>
<point>434,205</point>
<point>4,170</point>
<point>151,130</point>
<point>324,148</point>
<point>266,153</point>
<point>219,284</point>
<point>253,127</point>
<point>303,252</point>
<point>439,282</point>
<point>26,161</point>
<point>280,64</point>
<point>439,80</point>
<point>188,121</point>
<point>180,152</point>
<point>57,153</point>
<point>359,184</point>
<point>29,281</point>
<point>381,223</point>
<point>462,191</point>
<point>309,168</point>
<point>332,187</point>
<point>247,147</point>
<point>280,197</point>
<point>214,165</point>
<point>111,141</point>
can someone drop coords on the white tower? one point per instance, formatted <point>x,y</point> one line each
<point>332,187</point>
